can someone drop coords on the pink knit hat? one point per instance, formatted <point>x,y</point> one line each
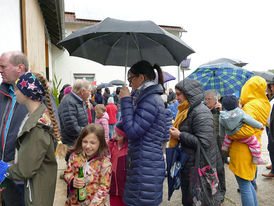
<point>67,90</point>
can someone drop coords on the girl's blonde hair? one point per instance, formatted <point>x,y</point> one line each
<point>61,149</point>
<point>99,132</point>
<point>100,109</point>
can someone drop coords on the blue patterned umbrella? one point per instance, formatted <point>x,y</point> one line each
<point>225,78</point>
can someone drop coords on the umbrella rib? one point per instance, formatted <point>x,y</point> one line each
<point>134,37</point>
<point>98,37</point>
<point>160,45</point>
<point>110,48</point>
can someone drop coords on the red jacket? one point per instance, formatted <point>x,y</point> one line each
<point>112,113</point>
<point>119,171</point>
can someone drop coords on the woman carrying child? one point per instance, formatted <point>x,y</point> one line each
<point>255,104</point>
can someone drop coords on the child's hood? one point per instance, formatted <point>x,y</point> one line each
<point>45,119</point>
<point>105,116</point>
<point>231,119</point>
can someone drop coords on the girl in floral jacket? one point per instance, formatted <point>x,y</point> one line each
<point>91,152</point>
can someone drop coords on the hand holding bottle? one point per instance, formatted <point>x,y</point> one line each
<point>81,185</point>
<point>78,182</point>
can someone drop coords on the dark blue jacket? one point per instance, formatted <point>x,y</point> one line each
<point>145,129</point>
<point>168,114</point>
<point>73,118</point>
<point>98,98</point>
<point>19,113</point>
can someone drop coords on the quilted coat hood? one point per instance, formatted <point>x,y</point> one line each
<point>192,89</point>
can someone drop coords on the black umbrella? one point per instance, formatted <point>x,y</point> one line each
<point>123,43</point>
<point>117,82</point>
<point>104,85</point>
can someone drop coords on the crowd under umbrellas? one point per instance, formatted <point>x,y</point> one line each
<point>123,43</point>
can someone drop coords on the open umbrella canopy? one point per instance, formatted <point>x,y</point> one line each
<point>168,77</point>
<point>104,85</point>
<point>224,78</point>
<point>268,76</point>
<point>123,43</point>
<point>117,82</point>
<point>235,62</point>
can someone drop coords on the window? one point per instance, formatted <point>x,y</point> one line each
<point>89,77</point>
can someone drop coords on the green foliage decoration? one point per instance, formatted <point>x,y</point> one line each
<point>55,90</point>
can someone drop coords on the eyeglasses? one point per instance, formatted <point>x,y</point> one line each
<point>208,99</point>
<point>130,79</point>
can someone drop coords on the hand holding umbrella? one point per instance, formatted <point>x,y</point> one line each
<point>124,92</point>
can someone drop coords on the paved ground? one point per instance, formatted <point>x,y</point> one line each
<point>264,192</point>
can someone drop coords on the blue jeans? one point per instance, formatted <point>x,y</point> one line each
<point>118,116</point>
<point>248,193</point>
<point>111,130</point>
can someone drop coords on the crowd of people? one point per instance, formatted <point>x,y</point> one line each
<point>118,140</point>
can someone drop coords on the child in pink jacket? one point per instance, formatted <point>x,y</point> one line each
<point>102,118</point>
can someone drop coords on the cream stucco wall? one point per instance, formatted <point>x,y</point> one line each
<point>35,37</point>
<point>66,66</point>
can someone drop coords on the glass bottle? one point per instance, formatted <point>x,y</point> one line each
<point>81,192</point>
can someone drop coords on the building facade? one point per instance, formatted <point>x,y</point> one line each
<point>32,26</point>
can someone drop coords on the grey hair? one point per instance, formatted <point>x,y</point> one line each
<point>80,84</point>
<point>17,57</point>
<point>214,93</point>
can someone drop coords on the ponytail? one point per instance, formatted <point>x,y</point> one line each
<point>160,75</point>
<point>61,149</point>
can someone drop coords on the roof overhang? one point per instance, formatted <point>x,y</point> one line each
<point>70,18</point>
<point>53,14</point>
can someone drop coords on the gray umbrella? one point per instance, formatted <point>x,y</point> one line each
<point>235,62</point>
<point>104,85</point>
<point>123,43</point>
<point>268,76</point>
<point>117,82</point>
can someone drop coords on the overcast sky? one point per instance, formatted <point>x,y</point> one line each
<point>237,29</point>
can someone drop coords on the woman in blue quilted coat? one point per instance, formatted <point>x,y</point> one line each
<point>144,121</point>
